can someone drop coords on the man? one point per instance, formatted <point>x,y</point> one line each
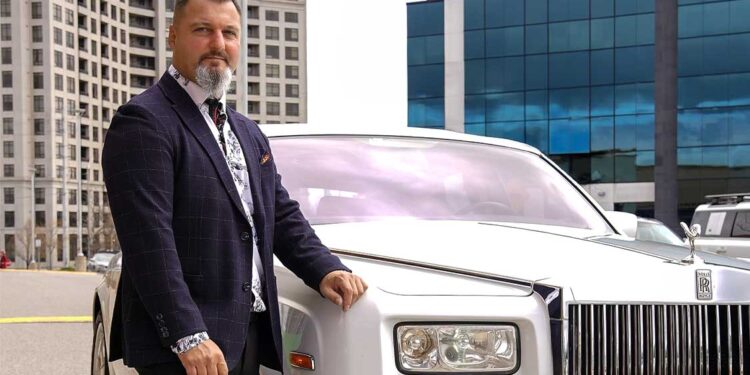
<point>200,210</point>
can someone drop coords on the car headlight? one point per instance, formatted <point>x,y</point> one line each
<point>445,348</point>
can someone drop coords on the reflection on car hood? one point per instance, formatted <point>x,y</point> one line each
<point>598,268</point>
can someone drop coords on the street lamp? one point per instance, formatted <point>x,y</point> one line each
<point>80,258</point>
<point>32,220</point>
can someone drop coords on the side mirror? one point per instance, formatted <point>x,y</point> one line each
<point>625,223</point>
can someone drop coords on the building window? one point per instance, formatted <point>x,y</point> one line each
<point>39,195</point>
<point>292,71</point>
<point>8,126</point>
<point>36,10</point>
<point>5,8</point>
<point>59,82</point>
<point>36,34</point>
<point>291,35</point>
<point>7,79</point>
<point>38,80</point>
<point>39,150</point>
<point>272,70</point>
<point>291,53</point>
<point>69,17</point>
<point>57,36</point>
<point>70,40</point>
<point>9,195</point>
<point>9,170</point>
<point>8,149</point>
<point>39,171</point>
<point>6,55</point>
<point>8,103</point>
<point>5,34</point>
<point>71,62</point>
<point>291,17</point>
<point>272,15</point>
<point>38,126</point>
<point>292,109</point>
<point>37,57</point>
<point>10,219</point>
<point>38,103</point>
<point>292,91</point>
<point>72,219</point>
<point>272,108</point>
<point>71,85</point>
<point>272,89</point>
<point>58,59</point>
<point>272,52</point>
<point>41,221</point>
<point>272,33</point>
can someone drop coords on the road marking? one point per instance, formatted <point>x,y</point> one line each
<point>46,319</point>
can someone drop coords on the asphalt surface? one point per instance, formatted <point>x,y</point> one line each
<point>41,347</point>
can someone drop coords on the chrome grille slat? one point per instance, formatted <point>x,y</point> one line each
<point>657,339</point>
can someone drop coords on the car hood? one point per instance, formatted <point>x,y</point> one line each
<point>590,266</point>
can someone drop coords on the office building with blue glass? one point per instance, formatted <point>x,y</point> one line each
<point>575,78</point>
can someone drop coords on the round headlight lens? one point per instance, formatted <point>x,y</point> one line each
<point>416,343</point>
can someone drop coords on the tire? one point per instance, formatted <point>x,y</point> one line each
<point>99,363</point>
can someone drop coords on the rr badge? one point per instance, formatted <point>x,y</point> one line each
<point>703,285</point>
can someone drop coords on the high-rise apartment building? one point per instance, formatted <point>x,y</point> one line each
<point>65,68</point>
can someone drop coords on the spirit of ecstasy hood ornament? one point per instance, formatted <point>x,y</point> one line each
<point>691,233</point>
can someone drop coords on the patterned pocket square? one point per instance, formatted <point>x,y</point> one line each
<point>265,158</point>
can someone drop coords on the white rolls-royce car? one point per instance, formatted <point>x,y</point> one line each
<point>483,257</point>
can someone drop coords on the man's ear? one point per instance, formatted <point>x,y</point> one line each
<point>172,36</point>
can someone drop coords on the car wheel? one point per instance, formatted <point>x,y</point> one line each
<point>99,365</point>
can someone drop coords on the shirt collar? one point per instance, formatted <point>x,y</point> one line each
<point>197,93</point>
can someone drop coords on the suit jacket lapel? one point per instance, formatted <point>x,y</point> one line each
<point>196,124</point>
<point>252,152</point>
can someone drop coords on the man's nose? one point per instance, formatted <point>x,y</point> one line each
<point>217,41</point>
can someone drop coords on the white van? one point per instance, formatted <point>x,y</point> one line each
<point>725,225</point>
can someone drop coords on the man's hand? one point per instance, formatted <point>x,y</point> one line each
<point>342,288</point>
<point>204,359</point>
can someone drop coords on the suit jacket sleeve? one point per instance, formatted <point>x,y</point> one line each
<point>138,164</point>
<point>295,242</point>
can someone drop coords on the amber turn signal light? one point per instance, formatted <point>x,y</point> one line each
<point>302,360</point>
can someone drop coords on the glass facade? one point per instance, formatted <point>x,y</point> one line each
<point>575,78</point>
<point>426,64</point>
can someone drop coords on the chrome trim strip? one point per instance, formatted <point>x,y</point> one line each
<point>629,340</point>
<point>640,339</point>
<point>605,358</point>
<point>689,352</point>
<point>718,340</point>
<point>617,339</point>
<point>591,349</point>
<point>652,347</point>
<point>730,353</point>
<point>741,339</point>
<point>579,360</point>
<point>665,340</point>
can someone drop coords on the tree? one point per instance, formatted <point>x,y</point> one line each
<point>24,237</point>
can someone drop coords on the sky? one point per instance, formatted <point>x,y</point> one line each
<point>356,56</point>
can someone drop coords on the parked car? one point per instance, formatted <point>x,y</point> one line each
<point>644,229</point>
<point>99,262</point>
<point>725,223</point>
<point>482,257</point>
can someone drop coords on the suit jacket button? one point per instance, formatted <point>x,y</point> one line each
<point>164,332</point>
<point>246,286</point>
<point>245,236</point>
<point>159,316</point>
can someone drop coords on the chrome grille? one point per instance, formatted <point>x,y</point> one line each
<point>658,339</point>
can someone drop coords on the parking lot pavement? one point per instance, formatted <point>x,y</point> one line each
<point>44,347</point>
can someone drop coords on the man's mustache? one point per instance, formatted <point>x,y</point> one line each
<point>222,56</point>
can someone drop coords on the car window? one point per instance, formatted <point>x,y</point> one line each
<point>345,179</point>
<point>711,222</point>
<point>741,224</point>
<point>656,232</point>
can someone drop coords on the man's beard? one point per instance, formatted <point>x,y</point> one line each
<point>215,81</point>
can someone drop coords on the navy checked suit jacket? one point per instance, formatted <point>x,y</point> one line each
<point>186,242</point>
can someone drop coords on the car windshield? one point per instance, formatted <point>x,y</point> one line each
<point>103,257</point>
<point>339,179</point>
<point>656,232</point>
